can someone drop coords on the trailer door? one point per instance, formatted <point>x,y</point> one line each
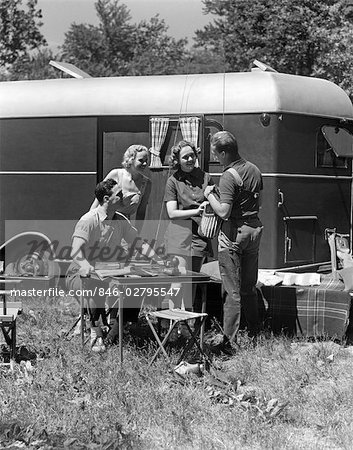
<point>115,135</point>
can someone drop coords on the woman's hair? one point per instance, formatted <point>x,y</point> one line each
<point>130,154</point>
<point>174,158</point>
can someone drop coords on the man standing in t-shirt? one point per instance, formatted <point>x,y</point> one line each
<point>239,238</point>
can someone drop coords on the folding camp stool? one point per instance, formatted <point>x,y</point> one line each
<point>176,316</point>
<point>8,316</point>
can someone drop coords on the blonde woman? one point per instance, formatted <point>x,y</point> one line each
<point>135,186</point>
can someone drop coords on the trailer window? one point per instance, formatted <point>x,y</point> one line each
<point>173,136</point>
<point>340,140</point>
<point>211,128</point>
<point>325,154</point>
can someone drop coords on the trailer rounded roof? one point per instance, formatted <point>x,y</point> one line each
<point>245,92</point>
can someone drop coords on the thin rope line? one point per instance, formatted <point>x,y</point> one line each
<point>224,83</point>
<point>224,98</point>
<point>175,138</point>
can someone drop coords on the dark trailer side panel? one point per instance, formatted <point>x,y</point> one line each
<point>48,170</point>
<point>59,137</point>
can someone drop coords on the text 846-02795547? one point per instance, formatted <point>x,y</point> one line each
<point>139,291</point>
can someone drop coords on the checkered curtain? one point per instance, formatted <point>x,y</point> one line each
<point>190,130</point>
<point>159,128</point>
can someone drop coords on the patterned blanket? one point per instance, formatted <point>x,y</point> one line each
<point>321,311</point>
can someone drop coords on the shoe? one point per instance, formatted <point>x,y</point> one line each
<point>183,368</point>
<point>97,344</point>
<point>109,342</point>
<point>105,330</point>
<point>23,354</point>
<point>227,349</point>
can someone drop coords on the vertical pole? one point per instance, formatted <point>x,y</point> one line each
<point>13,340</point>
<point>121,307</point>
<point>351,210</point>
<point>203,310</point>
<point>4,309</point>
<point>82,320</point>
<point>82,312</point>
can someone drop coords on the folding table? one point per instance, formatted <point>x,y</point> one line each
<point>122,283</point>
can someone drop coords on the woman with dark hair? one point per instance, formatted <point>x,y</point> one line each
<point>135,186</point>
<point>185,201</point>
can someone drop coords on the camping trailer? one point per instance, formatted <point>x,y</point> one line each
<point>58,138</point>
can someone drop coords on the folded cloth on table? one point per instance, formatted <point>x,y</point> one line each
<point>299,279</point>
<point>268,278</point>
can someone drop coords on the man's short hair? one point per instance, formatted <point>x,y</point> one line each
<point>104,188</point>
<point>224,141</point>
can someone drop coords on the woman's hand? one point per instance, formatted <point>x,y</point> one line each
<point>202,206</point>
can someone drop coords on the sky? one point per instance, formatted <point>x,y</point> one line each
<point>182,16</point>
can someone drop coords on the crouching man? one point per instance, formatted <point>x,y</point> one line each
<point>98,238</point>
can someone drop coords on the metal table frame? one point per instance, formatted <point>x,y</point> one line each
<point>8,314</point>
<point>161,279</point>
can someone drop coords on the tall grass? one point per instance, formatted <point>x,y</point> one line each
<point>70,398</point>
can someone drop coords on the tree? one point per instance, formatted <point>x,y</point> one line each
<point>19,30</point>
<point>117,47</point>
<point>203,60</point>
<point>116,30</point>
<point>293,36</point>
<point>84,46</point>
<point>34,67</point>
<point>335,61</point>
<point>101,50</point>
<point>154,52</point>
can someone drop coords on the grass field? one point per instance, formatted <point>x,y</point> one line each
<point>281,394</point>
